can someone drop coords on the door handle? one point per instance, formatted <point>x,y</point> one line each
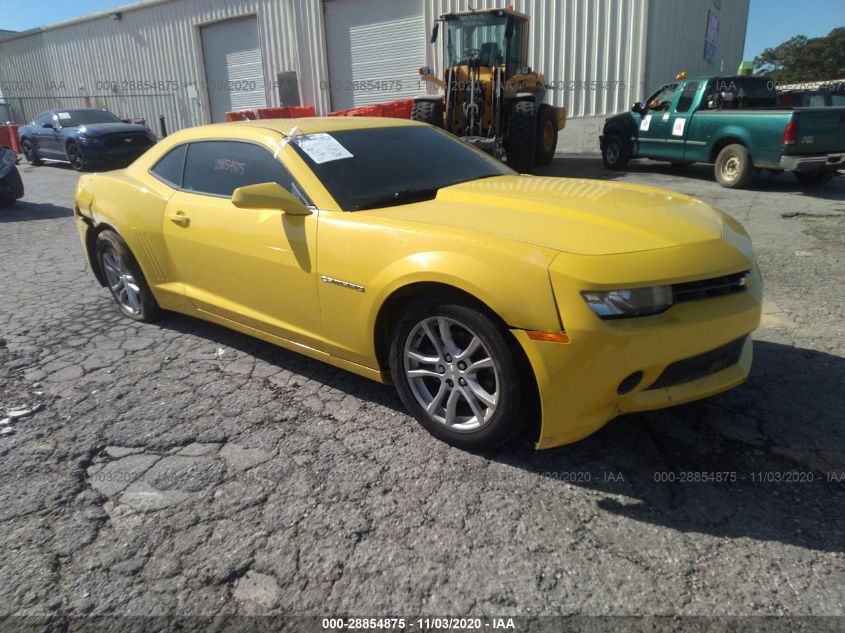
<point>179,218</point>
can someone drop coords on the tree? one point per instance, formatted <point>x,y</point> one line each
<point>805,59</point>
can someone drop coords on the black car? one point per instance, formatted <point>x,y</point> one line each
<point>11,185</point>
<point>84,138</point>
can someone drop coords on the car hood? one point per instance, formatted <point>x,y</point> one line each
<point>589,217</point>
<point>102,129</point>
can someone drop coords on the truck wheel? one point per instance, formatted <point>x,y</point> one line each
<point>522,143</point>
<point>30,154</point>
<point>430,112</point>
<point>733,168</point>
<point>616,152</point>
<point>546,135</point>
<point>815,178</point>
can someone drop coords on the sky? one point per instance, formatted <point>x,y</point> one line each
<point>770,22</point>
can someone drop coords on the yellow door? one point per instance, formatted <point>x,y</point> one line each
<point>255,267</point>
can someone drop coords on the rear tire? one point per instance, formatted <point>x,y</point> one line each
<point>522,135</point>
<point>430,112</point>
<point>546,135</point>
<point>616,152</point>
<point>733,168</point>
<point>124,278</point>
<point>30,154</point>
<point>474,410</point>
<point>814,179</point>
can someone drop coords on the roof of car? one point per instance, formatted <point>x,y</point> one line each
<point>309,125</point>
<point>312,125</point>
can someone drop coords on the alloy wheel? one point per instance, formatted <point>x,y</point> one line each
<point>121,281</point>
<point>451,373</point>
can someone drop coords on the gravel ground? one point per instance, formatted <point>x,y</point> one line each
<point>183,468</point>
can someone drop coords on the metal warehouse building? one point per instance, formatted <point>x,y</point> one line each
<point>193,60</point>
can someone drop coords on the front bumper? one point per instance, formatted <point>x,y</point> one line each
<point>815,162</point>
<point>107,155</point>
<point>579,382</point>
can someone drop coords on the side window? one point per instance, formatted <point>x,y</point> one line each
<point>219,167</point>
<point>837,100</point>
<point>169,167</point>
<point>662,99</point>
<point>687,96</point>
<point>816,101</point>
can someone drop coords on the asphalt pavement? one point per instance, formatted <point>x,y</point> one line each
<point>181,468</point>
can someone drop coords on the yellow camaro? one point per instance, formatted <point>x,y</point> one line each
<point>394,250</point>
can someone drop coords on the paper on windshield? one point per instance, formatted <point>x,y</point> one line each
<point>322,147</point>
<point>64,115</point>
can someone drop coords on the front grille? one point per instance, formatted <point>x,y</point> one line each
<point>701,365</point>
<point>708,288</point>
<point>126,141</point>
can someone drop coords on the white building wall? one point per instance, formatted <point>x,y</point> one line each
<point>677,34</point>
<point>154,55</point>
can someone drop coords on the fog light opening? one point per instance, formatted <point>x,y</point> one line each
<point>628,384</point>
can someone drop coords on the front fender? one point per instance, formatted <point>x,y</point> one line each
<point>522,299</point>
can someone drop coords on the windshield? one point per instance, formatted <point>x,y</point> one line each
<point>482,35</point>
<point>380,167</point>
<point>75,118</point>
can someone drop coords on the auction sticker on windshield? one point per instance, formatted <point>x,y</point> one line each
<point>322,147</point>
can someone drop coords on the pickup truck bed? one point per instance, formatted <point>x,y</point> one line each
<point>696,120</point>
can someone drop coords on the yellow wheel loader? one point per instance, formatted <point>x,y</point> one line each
<point>488,95</point>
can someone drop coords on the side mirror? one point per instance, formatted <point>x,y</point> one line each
<point>434,31</point>
<point>637,107</point>
<point>268,195</point>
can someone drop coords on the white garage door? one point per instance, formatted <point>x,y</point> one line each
<point>376,48</point>
<point>233,68</point>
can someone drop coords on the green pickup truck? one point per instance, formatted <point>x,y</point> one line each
<point>732,122</point>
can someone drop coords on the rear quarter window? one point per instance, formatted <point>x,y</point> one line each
<point>169,167</point>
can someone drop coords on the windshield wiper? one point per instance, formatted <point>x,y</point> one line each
<point>400,197</point>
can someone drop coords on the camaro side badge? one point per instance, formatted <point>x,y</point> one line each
<point>341,283</point>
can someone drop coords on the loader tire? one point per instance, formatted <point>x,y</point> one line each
<point>522,136</point>
<point>430,112</point>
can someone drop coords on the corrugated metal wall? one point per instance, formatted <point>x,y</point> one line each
<point>677,38</point>
<point>591,51</point>
<point>153,55</point>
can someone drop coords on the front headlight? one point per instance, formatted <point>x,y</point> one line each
<point>631,302</point>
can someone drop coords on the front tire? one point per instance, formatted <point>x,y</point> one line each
<point>616,153</point>
<point>30,154</point>
<point>430,112</point>
<point>124,278</point>
<point>75,158</point>
<point>457,370</point>
<point>733,168</point>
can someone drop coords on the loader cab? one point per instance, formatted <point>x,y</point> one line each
<point>494,38</point>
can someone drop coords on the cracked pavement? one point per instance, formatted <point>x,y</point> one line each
<point>181,468</point>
